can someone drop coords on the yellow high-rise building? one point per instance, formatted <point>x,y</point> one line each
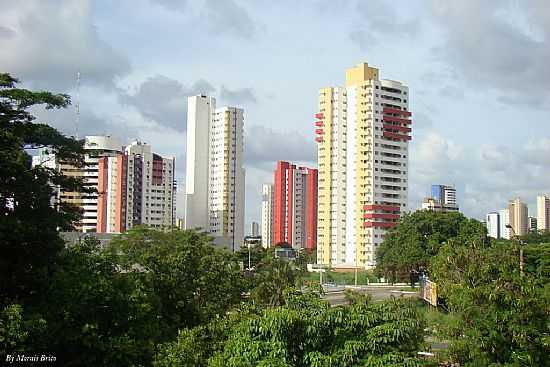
<point>363,132</point>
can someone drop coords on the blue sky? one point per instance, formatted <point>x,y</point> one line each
<point>477,73</point>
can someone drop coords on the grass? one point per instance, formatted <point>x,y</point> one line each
<point>343,278</point>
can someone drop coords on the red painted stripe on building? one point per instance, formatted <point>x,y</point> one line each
<point>396,119</point>
<point>311,219</point>
<point>398,128</point>
<point>381,207</point>
<point>380,216</point>
<point>103,192</point>
<point>387,134</point>
<point>396,111</point>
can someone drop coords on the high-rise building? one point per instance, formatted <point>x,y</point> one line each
<point>493,224</point>
<point>295,206</point>
<point>267,215</point>
<point>215,178</point>
<point>518,217</point>
<point>543,213</point>
<point>95,147</point>
<point>531,224</point>
<point>254,229</point>
<point>363,132</point>
<point>443,199</point>
<point>504,220</point>
<point>135,187</point>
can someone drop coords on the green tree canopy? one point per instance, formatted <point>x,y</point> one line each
<point>307,332</point>
<point>503,315</point>
<point>419,236</point>
<point>193,280</point>
<point>29,224</point>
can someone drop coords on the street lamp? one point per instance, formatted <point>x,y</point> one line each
<point>520,242</point>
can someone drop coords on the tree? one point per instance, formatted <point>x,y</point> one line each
<point>419,236</point>
<point>96,314</point>
<point>193,280</point>
<point>29,240</point>
<point>272,277</point>
<point>307,332</point>
<point>503,315</point>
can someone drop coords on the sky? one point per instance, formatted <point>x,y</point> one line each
<point>478,74</point>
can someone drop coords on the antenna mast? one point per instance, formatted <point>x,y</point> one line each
<point>77,104</point>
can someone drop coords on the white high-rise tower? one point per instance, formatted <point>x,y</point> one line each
<point>215,177</point>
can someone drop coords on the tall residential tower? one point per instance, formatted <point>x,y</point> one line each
<point>215,178</point>
<point>267,215</point>
<point>363,132</point>
<point>295,206</point>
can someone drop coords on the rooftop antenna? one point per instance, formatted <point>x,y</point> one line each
<point>77,104</point>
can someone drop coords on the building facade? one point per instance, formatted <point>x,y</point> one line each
<point>531,224</point>
<point>492,222</point>
<point>543,213</point>
<point>215,179</point>
<point>254,229</point>
<point>135,188</point>
<point>518,217</point>
<point>95,148</point>
<point>267,215</point>
<point>363,133</point>
<point>443,199</point>
<point>504,220</point>
<point>295,206</point>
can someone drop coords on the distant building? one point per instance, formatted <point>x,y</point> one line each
<point>532,224</point>
<point>543,213</point>
<point>518,217</point>
<point>443,199</point>
<point>180,223</point>
<point>504,219</point>
<point>254,229</point>
<point>267,215</point>
<point>215,178</point>
<point>493,224</point>
<point>295,206</point>
<point>95,148</point>
<point>252,241</point>
<point>135,188</point>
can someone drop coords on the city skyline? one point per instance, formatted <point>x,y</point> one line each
<point>475,123</point>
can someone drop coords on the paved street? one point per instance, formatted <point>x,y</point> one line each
<point>335,295</point>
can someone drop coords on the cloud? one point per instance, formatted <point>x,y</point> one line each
<point>378,19</point>
<point>51,41</point>
<point>164,100</point>
<point>172,5</point>
<point>498,45</point>
<point>265,146</point>
<point>89,123</point>
<point>486,176</point>
<point>238,96</point>
<point>228,17</point>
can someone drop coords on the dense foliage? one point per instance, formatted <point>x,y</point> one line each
<point>305,332</point>
<point>29,240</point>
<point>504,316</point>
<point>419,236</point>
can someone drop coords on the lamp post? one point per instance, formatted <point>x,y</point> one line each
<point>520,243</point>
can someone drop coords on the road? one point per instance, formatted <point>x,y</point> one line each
<point>335,294</point>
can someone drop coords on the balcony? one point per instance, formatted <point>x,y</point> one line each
<point>319,139</point>
<point>319,131</point>
<point>398,128</point>
<point>379,224</point>
<point>319,123</point>
<point>319,115</point>
<point>396,136</point>
<point>380,216</point>
<point>396,111</point>
<point>381,207</point>
<point>396,119</point>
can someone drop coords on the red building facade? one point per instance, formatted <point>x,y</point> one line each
<point>295,206</point>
